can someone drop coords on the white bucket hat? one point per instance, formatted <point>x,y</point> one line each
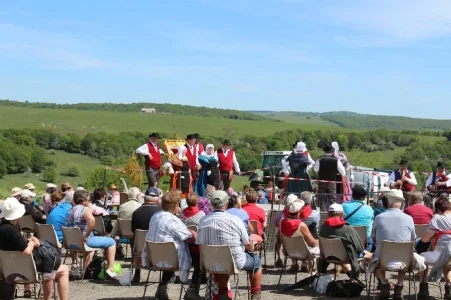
<point>395,195</point>
<point>12,209</point>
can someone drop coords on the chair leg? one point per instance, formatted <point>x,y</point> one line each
<point>64,262</point>
<point>147,283</point>
<point>296,272</point>
<point>281,271</point>
<point>335,272</point>
<point>237,284</point>
<point>131,271</point>
<point>38,294</point>
<point>82,268</point>
<point>209,281</point>
<point>181,290</point>
<point>248,288</point>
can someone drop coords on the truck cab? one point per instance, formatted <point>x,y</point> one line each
<point>270,159</point>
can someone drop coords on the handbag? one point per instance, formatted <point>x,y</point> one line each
<point>345,288</point>
<point>46,257</point>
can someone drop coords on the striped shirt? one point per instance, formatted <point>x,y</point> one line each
<point>75,217</point>
<point>223,229</point>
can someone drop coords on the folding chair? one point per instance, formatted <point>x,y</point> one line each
<point>123,197</point>
<point>27,225</point>
<point>333,251</point>
<point>193,228</point>
<point>47,233</point>
<point>72,242</point>
<point>218,260</point>
<point>20,269</point>
<point>296,249</point>
<point>261,247</point>
<point>361,231</point>
<point>138,246</point>
<point>420,229</point>
<point>161,257</point>
<point>396,252</point>
<point>99,227</point>
<point>124,230</point>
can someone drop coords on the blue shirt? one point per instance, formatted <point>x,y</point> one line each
<point>262,201</point>
<point>240,213</point>
<point>363,217</point>
<point>57,218</point>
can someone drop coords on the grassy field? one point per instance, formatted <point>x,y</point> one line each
<point>82,122</point>
<point>293,118</point>
<point>61,159</point>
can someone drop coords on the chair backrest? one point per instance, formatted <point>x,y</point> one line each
<point>72,238</point>
<point>27,224</point>
<point>296,248</point>
<point>333,250</point>
<point>396,252</point>
<point>123,197</point>
<point>140,240</point>
<point>124,228</point>
<point>420,230</point>
<point>99,227</point>
<point>361,231</point>
<point>217,260</point>
<point>18,268</point>
<point>254,227</point>
<point>193,228</point>
<point>162,256</point>
<point>47,233</point>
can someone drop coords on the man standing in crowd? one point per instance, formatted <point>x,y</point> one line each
<point>189,150</point>
<point>403,179</point>
<point>199,145</point>
<point>227,162</point>
<point>327,167</point>
<point>152,153</point>
<point>439,180</point>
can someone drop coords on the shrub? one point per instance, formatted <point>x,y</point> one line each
<point>49,174</point>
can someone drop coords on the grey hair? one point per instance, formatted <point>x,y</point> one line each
<point>307,197</point>
<point>133,192</point>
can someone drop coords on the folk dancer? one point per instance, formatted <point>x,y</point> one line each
<point>328,167</point>
<point>343,188</point>
<point>298,162</point>
<point>179,172</point>
<point>227,162</point>
<point>189,150</point>
<point>209,172</point>
<point>199,146</point>
<point>403,179</point>
<point>152,152</point>
<point>439,180</point>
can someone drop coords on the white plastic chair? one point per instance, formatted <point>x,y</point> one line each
<point>138,246</point>
<point>124,230</point>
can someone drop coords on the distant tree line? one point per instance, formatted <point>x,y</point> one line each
<point>23,149</point>
<point>136,107</point>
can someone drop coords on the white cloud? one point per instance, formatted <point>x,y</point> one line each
<point>395,21</point>
<point>46,49</point>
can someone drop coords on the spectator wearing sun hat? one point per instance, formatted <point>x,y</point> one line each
<point>114,196</point>
<point>37,215</point>
<point>15,193</point>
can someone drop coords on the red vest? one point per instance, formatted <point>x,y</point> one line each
<point>192,158</point>
<point>155,162</point>
<point>225,162</point>
<point>200,149</point>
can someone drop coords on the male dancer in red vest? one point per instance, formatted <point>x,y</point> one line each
<point>439,180</point>
<point>152,153</point>
<point>227,162</point>
<point>199,145</point>
<point>191,154</point>
<point>403,178</point>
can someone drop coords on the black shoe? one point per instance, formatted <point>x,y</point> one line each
<point>137,277</point>
<point>385,291</point>
<point>397,294</point>
<point>447,292</point>
<point>162,292</point>
<point>224,296</point>
<point>192,293</point>
<point>424,291</point>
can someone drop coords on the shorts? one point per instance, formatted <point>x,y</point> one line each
<point>102,242</point>
<point>253,263</point>
<point>431,257</point>
<point>49,276</point>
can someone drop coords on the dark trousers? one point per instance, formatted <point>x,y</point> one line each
<point>153,177</point>
<point>225,177</point>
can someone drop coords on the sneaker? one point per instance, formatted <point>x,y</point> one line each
<point>111,274</point>
<point>162,292</point>
<point>256,296</point>
<point>192,293</point>
<point>279,263</point>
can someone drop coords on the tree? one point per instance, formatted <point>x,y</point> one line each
<point>49,174</point>
<point>97,176</point>
<point>72,171</point>
<point>38,160</point>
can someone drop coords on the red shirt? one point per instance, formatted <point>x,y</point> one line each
<point>256,214</point>
<point>420,214</point>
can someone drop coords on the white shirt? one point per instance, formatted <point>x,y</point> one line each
<point>340,167</point>
<point>286,164</point>
<point>236,166</point>
<point>429,181</point>
<point>412,180</point>
<point>144,149</point>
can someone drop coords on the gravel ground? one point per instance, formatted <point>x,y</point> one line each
<point>113,290</point>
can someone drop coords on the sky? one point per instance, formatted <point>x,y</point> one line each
<point>379,57</point>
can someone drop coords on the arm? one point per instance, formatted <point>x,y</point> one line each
<point>341,168</point>
<point>285,165</point>
<point>316,167</point>
<point>448,182</point>
<point>192,239</point>
<point>311,242</point>
<point>412,180</point>
<point>235,164</point>
<point>143,150</point>
<point>37,216</point>
<point>391,179</point>
<point>429,181</point>
<point>90,222</point>
<point>311,162</point>
<point>162,152</point>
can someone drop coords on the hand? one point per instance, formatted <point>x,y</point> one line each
<point>35,241</point>
<point>230,175</point>
<point>198,167</point>
<point>432,188</point>
<point>150,156</point>
<point>239,173</point>
<point>84,240</point>
<point>399,182</point>
<point>44,217</point>
<point>352,178</point>
<point>41,208</point>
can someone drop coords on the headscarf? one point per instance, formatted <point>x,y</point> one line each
<point>335,146</point>
<point>300,147</point>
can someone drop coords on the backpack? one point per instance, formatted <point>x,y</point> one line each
<point>7,290</point>
<point>107,224</point>
<point>345,288</point>
<point>46,257</point>
<point>94,268</point>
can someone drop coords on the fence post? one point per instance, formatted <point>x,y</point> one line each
<point>273,188</point>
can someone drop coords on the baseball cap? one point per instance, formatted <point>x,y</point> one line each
<point>296,206</point>
<point>152,191</point>
<point>219,199</point>
<point>26,194</point>
<point>335,207</point>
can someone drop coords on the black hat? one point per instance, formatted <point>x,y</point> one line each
<point>190,137</point>
<point>359,192</point>
<point>441,165</point>
<point>154,134</point>
<point>226,142</point>
<point>328,147</point>
<point>403,162</point>
<point>197,136</point>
